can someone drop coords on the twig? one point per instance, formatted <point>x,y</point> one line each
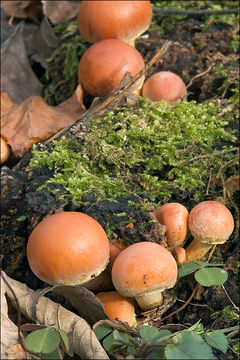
<point>84,117</point>
<point>213,154</point>
<point>194,12</point>
<point>19,320</point>
<point>109,183</point>
<point>233,304</point>
<point>199,75</point>
<point>182,307</point>
<point>211,253</point>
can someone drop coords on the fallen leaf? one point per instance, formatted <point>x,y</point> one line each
<point>44,311</point>
<point>9,331</point>
<point>16,352</point>
<point>17,77</point>
<point>60,12</point>
<point>44,40</point>
<point>84,301</point>
<point>34,121</point>
<point>25,9</point>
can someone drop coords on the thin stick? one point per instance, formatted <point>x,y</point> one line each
<point>194,12</point>
<point>182,307</point>
<point>234,305</point>
<point>213,154</point>
<point>199,75</point>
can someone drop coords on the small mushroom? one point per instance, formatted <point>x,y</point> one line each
<point>210,223</point>
<point>179,255</point>
<point>104,64</point>
<point>175,217</point>
<point>164,85</point>
<point>68,248</point>
<point>124,20</point>
<point>118,307</point>
<point>144,270</point>
<point>5,151</point>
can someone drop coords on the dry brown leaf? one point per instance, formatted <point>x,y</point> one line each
<point>9,331</point>
<point>84,301</point>
<point>34,121</point>
<point>23,9</point>
<point>44,311</point>
<point>16,352</point>
<point>60,12</point>
<point>17,77</point>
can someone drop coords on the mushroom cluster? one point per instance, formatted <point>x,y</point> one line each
<point>112,27</point>
<point>71,248</point>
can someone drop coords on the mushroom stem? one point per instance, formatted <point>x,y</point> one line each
<point>150,300</point>
<point>196,250</point>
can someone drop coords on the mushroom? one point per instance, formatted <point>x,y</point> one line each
<point>118,307</point>
<point>179,255</point>
<point>104,64</point>
<point>68,248</point>
<point>124,20</point>
<point>144,270</point>
<point>5,151</point>
<point>175,217</point>
<point>210,223</point>
<point>115,248</point>
<point>164,85</point>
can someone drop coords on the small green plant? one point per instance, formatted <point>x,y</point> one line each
<point>151,343</point>
<point>205,274</point>
<point>47,342</point>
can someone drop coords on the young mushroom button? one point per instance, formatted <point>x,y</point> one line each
<point>210,223</point>
<point>118,307</point>
<point>164,85</point>
<point>104,64</point>
<point>144,270</point>
<point>175,217</point>
<point>68,248</point>
<point>124,20</point>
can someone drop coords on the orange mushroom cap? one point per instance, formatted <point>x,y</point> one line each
<point>124,20</point>
<point>175,217</point>
<point>5,151</point>
<point>164,85</point>
<point>104,64</point>
<point>144,268</point>
<point>68,248</point>
<point>118,307</point>
<point>211,222</point>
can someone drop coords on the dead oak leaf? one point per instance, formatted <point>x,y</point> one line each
<point>27,9</point>
<point>33,121</point>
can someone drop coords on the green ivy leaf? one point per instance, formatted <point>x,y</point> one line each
<point>158,354</point>
<point>188,346</point>
<point>161,334</point>
<point>217,340</point>
<point>187,268</point>
<point>211,276</point>
<point>53,355</point>
<point>121,336</point>
<point>101,331</point>
<point>64,339</point>
<point>42,341</point>
<point>148,332</point>
<point>108,341</point>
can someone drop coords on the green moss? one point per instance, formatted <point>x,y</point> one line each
<point>147,150</point>
<point>165,23</point>
<point>62,66</point>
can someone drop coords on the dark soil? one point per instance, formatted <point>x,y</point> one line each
<point>193,50</point>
